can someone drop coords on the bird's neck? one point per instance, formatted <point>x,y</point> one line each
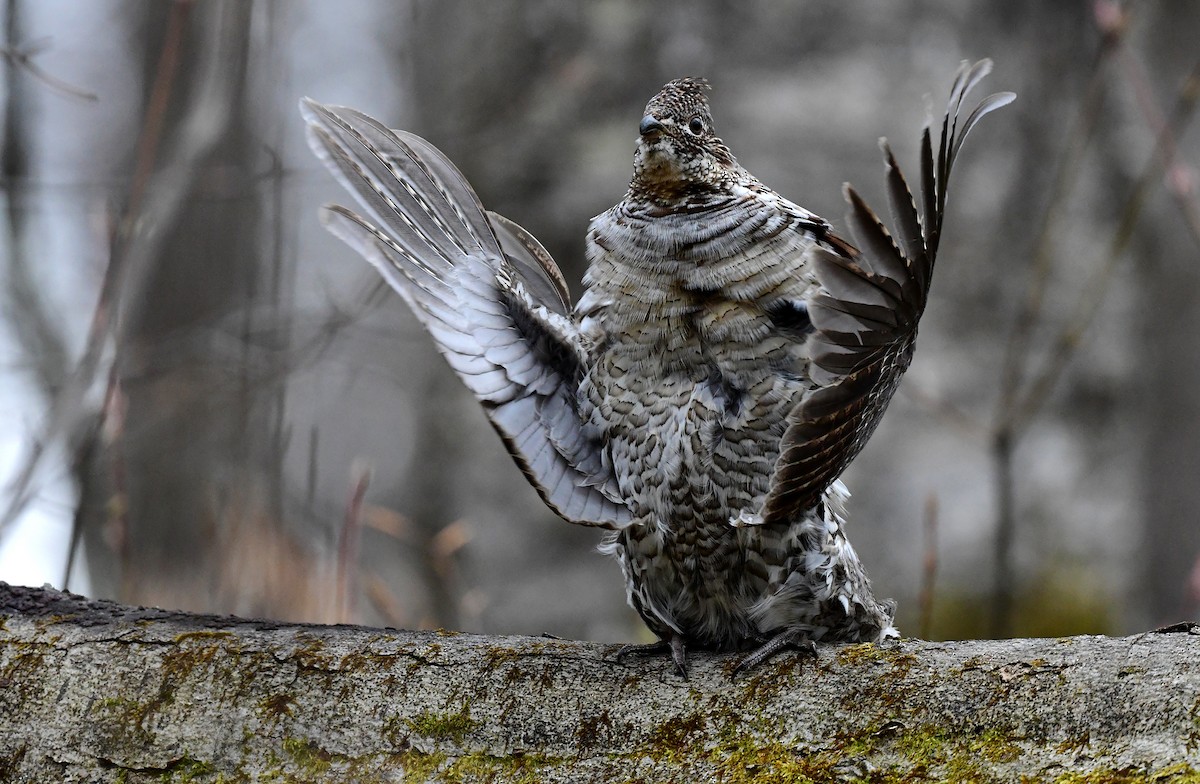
<point>664,181</point>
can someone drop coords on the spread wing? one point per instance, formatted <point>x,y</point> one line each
<point>488,293</point>
<point>866,312</point>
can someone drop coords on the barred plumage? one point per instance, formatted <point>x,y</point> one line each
<point>728,358</point>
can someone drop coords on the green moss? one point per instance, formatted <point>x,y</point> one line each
<point>883,690</point>
<point>180,664</point>
<point>1193,735</point>
<point>395,731</point>
<point>497,655</point>
<point>205,634</point>
<point>121,721</point>
<point>469,768</point>
<point>1175,774</point>
<point>187,769</point>
<point>520,769</point>
<point>1075,744</point>
<point>308,756</point>
<point>20,676</point>
<point>677,739</point>
<point>276,706</point>
<point>9,764</point>
<point>747,762</point>
<point>312,656</point>
<point>184,770</point>
<point>445,726</point>
<point>896,755</point>
<point>419,766</point>
<point>862,653</point>
<point>922,746</point>
<point>1178,774</point>
<point>960,756</point>
<point>995,746</point>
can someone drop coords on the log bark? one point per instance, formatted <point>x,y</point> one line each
<point>92,691</point>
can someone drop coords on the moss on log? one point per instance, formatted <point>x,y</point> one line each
<point>93,691</point>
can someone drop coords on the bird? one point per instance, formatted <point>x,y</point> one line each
<point>728,357</point>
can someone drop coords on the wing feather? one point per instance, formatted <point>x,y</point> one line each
<point>488,293</point>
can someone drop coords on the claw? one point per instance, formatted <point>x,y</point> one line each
<point>675,644</point>
<point>788,638</point>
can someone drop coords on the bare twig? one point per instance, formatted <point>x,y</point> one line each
<point>445,544</point>
<point>928,566</point>
<point>384,600</point>
<point>1096,287</point>
<point>1079,138</point>
<point>21,57</point>
<point>1180,178</point>
<point>348,542</point>
<point>1181,184</point>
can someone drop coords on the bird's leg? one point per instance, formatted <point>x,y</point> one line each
<point>674,643</point>
<point>788,638</point>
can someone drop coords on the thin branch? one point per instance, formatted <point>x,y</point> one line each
<point>1179,178</point>
<point>1096,287</point>
<point>1181,184</point>
<point>1079,138</point>
<point>21,57</point>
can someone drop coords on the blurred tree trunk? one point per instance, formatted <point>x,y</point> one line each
<point>23,306</point>
<point>190,417</point>
<point>1059,39</point>
<point>1168,260</point>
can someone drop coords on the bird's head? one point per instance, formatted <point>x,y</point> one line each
<point>679,153</point>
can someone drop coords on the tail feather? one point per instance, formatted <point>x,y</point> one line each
<point>907,222</point>
<point>866,313</point>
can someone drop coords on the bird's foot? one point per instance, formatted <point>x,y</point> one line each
<point>674,644</point>
<point>794,639</point>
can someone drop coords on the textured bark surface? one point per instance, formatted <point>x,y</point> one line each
<point>98,692</point>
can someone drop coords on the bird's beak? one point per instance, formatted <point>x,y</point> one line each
<point>650,127</point>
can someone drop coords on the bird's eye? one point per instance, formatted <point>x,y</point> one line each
<point>696,126</point>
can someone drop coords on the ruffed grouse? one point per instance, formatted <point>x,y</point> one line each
<point>729,357</point>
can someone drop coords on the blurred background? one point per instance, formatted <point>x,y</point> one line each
<point>208,403</point>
